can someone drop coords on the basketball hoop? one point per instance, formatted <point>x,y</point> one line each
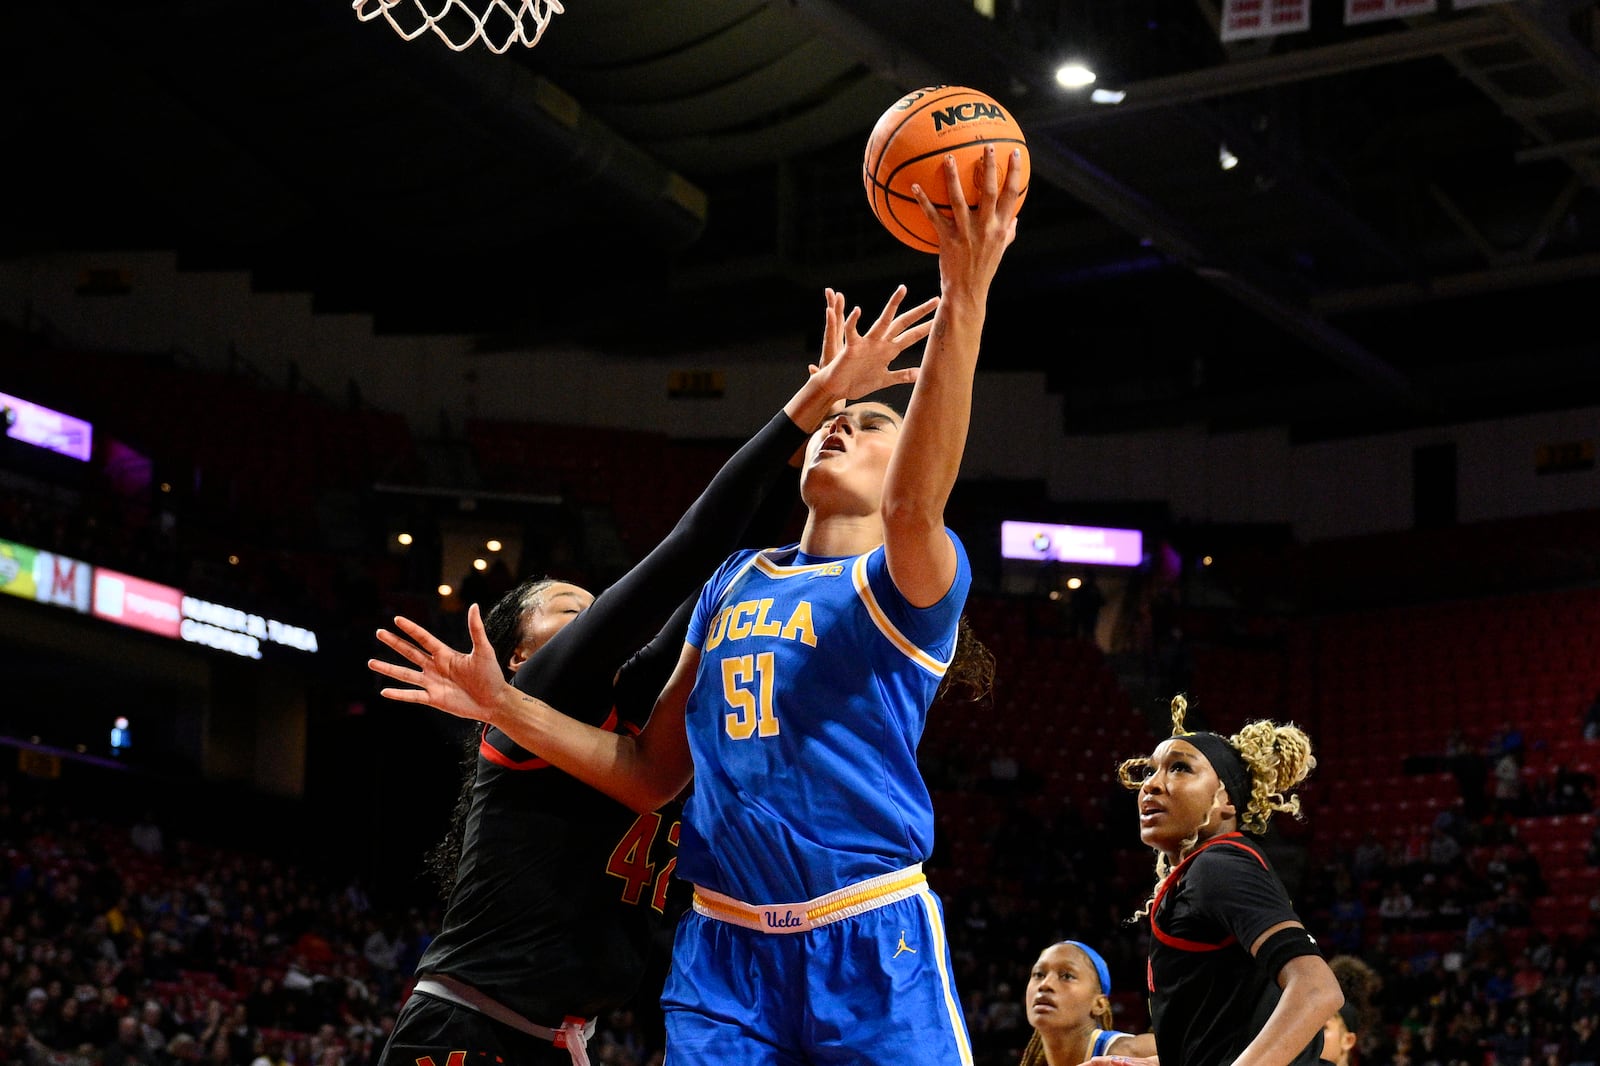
<point>460,23</point>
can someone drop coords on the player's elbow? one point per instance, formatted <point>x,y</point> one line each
<point>912,515</point>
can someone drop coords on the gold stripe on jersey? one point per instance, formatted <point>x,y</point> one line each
<point>772,569</point>
<point>875,611</point>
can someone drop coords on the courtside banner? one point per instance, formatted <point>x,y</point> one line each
<point>16,569</point>
<point>45,577</point>
<point>1242,19</point>
<point>130,601</point>
<point>1372,10</point>
<point>63,581</point>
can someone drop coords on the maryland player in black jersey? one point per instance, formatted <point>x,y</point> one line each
<point>1233,974</point>
<point>558,888</point>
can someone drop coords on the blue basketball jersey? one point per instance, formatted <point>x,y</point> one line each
<point>813,688</point>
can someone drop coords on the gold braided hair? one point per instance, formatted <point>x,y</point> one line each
<point>1278,758</point>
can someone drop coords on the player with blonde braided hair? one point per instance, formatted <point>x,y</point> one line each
<point>1234,978</point>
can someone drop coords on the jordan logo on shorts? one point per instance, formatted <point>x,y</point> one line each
<point>902,947</point>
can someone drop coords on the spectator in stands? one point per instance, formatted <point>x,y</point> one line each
<point>270,1051</point>
<point>1571,791</point>
<point>1512,1044</point>
<point>1584,1047</point>
<point>146,835</point>
<point>129,1048</point>
<point>1370,859</point>
<point>1394,909</point>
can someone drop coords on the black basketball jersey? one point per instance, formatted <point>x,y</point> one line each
<point>1208,996</point>
<point>560,888</point>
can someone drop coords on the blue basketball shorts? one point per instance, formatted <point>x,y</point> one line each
<point>860,976</point>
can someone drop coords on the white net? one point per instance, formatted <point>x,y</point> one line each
<point>499,24</point>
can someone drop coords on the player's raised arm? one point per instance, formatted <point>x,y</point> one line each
<point>925,464</point>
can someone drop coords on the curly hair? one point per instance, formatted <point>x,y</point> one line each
<point>971,672</point>
<point>1278,757</point>
<point>1360,983</point>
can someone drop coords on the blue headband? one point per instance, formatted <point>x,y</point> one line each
<point>1100,967</point>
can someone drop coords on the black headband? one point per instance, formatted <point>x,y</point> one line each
<point>1227,762</point>
<point>1351,1016</point>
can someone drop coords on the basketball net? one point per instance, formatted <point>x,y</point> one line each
<point>499,24</point>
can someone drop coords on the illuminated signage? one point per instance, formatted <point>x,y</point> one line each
<point>238,632</point>
<point>1044,542</point>
<point>44,576</point>
<point>132,601</point>
<point>42,427</point>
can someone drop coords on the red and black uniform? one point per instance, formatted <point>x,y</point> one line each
<point>560,888</point>
<point>1209,996</point>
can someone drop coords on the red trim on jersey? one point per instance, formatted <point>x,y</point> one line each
<point>500,758</point>
<point>1234,840</point>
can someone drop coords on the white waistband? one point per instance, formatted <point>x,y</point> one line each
<point>842,903</point>
<point>443,986</point>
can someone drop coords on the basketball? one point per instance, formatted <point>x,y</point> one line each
<point>908,146</point>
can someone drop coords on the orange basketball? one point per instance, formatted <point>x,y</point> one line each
<point>908,146</point>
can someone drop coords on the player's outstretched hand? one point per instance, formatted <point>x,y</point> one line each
<point>463,684</point>
<point>855,363</point>
<point>971,243</point>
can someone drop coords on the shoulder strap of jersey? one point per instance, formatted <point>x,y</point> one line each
<point>1235,840</point>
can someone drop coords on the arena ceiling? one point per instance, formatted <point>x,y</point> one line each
<point>1411,233</point>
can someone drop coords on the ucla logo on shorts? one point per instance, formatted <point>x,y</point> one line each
<point>786,920</point>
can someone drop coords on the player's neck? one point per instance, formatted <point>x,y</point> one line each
<point>1069,1047</point>
<point>836,536</point>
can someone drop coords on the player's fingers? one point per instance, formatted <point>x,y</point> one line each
<point>404,695</point>
<point>394,671</point>
<point>989,178</point>
<point>480,636</point>
<point>886,317</point>
<point>425,640</point>
<point>914,314</point>
<point>911,336</point>
<point>959,221</point>
<point>403,647</point>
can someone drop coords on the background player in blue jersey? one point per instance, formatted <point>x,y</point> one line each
<point>797,706</point>
<point>1233,975</point>
<point>555,888</point>
<point>1069,1006</point>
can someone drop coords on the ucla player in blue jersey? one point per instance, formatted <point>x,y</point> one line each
<point>797,706</point>
<point>1069,1006</point>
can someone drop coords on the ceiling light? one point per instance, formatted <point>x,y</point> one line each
<point>1074,76</point>
<point>494,545</point>
<point>1226,159</point>
<point>1108,96</point>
